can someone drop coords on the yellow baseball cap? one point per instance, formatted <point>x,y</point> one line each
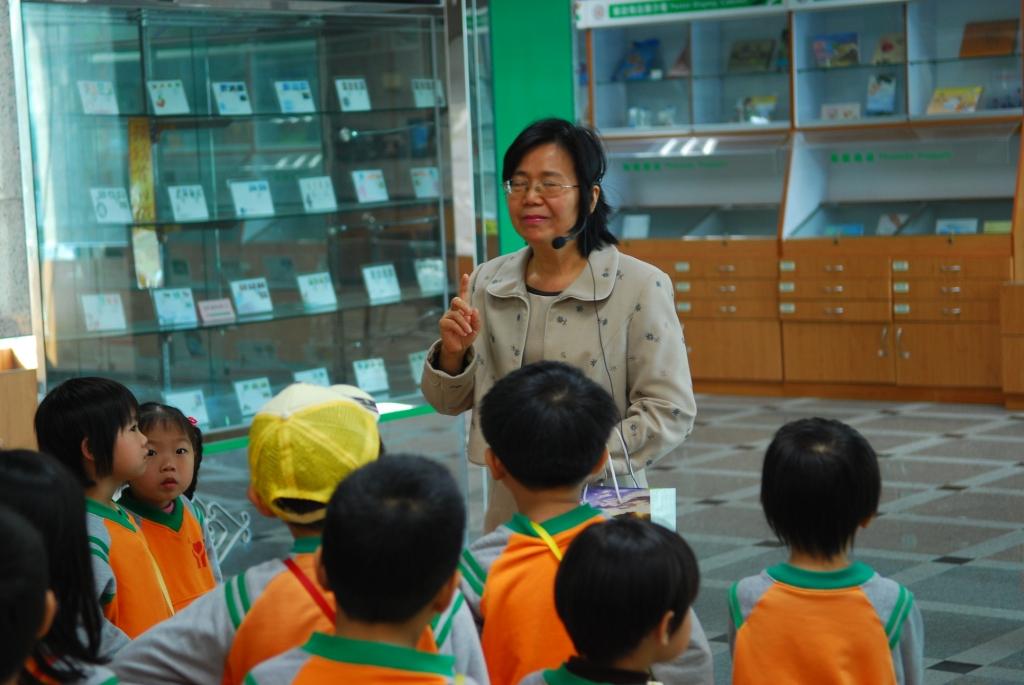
<point>306,440</point>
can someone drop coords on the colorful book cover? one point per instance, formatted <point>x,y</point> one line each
<point>845,230</point>
<point>881,95</point>
<point>954,100</point>
<point>891,49</point>
<point>956,226</point>
<point>757,109</point>
<point>636,65</point>
<point>681,67</point>
<point>840,111</point>
<point>836,50</point>
<point>751,55</point>
<point>989,38</point>
<point>1001,227</point>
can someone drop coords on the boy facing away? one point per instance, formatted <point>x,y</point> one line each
<point>547,426</point>
<point>820,618</point>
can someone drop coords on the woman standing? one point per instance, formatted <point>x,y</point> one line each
<point>570,296</point>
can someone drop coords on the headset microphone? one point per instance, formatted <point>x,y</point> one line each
<point>563,240</point>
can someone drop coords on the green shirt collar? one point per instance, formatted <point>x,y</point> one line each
<point>306,545</point>
<point>562,676</point>
<point>117,514</point>
<point>172,520</point>
<point>363,653</point>
<point>853,575</point>
<point>559,524</point>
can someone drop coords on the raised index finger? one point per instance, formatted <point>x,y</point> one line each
<point>464,288</point>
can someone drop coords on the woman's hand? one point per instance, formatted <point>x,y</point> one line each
<point>459,327</point>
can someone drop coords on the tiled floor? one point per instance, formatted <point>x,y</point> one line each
<point>951,526</point>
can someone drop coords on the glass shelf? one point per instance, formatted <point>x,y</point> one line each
<point>971,216</point>
<point>851,68</point>
<point>212,118</point>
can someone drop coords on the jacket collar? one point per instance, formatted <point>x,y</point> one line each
<point>509,280</point>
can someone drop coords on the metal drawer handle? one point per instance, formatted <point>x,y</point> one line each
<point>951,311</point>
<point>950,268</point>
<point>899,344</point>
<point>834,268</point>
<point>833,288</point>
<point>950,289</point>
<point>882,352</point>
<point>726,288</point>
<point>727,268</point>
<point>838,311</point>
<point>727,309</point>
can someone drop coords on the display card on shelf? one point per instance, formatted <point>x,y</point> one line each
<point>191,403</point>
<point>751,55</point>
<point>844,230</point>
<point>175,307</point>
<point>836,50</point>
<point>252,296</point>
<point>956,226</point>
<point>426,182</point>
<point>881,98</point>
<point>840,111</point>
<point>416,362</point>
<point>168,97</point>
<point>424,92</point>
<point>232,98</point>
<point>318,194</point>
<point>317,290</point>
<point>989,38</point>
<point>317,376</point>
<point>430,275</point>
<point>98,97</point>
<point>381,282</point>
<point>370,186</point>
<point>891,49</point>
<point>214,312</point>
<point>111,205</point>
<point>954,100</point>
<point>757,109</point>
<point>252,198</point>
<point>188,203</point>
<point>147,256</point>
<point>371,375</point>
<point>636,226</point>
<point>681,67</point>
<point>294,97</point>
<point>639,61</point>
<point>103,312</point>
<point>252,394</point>
<point>888,224</point>
<point>353,95</point>
<point>997,227</point>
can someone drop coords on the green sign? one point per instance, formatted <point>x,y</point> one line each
<point>898,156</point>
<point>628,10</point>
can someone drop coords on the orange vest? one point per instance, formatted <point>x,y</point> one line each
<point>179,547</point>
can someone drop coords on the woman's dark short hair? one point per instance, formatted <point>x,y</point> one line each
<point>23,585</point>
<point>156,414</point>
<point>548,424</point>
<point>584,147</point>
<point>819,483</point>
<point>618,580</point>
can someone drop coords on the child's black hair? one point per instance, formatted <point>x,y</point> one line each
<point>618,580</point>
<point>39,488</point>
<point>156,414</point>
<point>392,538</point>
<point>820,482</point>
<point>548,424</point>
<point>90,409</point>
<point>23,585</point>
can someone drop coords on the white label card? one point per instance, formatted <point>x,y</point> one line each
<point>424,92</point>
<point>111,205</point>
<point>371,375</point>
<point>318,194</point>
<point>430,275</point>
<point>192,404</point>
<point>98,97</point>
<point>252,394</point>
<point>175,307</point>
<point>426,182</point>
<point>188,203</point>
<point>168,97</point>
<point>370,185</point>
<point>353,95</point>
<point>103,312</point>
<point>232,98</point>
<point>252,296</point>
<point>636,226</point>
<point>252,198</point>
<point>216,311</point>
<point>416,362</point>
<point>316,376</point>
<point>381,282</point>
<point>294,97</point>
<point>317,290</point>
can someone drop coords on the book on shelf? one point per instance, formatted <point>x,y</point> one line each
<point>757,109</point>
<point>836,50</point>
<point>881,98</point>
<point>956,226</point>
<point>989,38</point>
<point>954,100</point>
<point>889,224</point>
<point>681,67</point>
<point>751,55</point>
<point>891,49</point>
<point>997,227</point>
<point>638,61</point>
<point>840,111</point>
<point>844,230</point>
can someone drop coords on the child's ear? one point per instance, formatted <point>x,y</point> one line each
<point>321,572</point>
<point>601,463</point>
<point>86,452</point>
<point>257,502</point>
<point>664,629</point>
<point>494,464</point>
<point>49,613</point>
<point>444,596</point>
<point>867,522</point>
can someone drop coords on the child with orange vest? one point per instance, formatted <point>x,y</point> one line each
<point>820,618</point>
<point>161,502</point>
<point>91,426</point>
<point>547,426</point>
<point>390,553</point>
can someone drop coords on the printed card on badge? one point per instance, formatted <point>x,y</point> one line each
<point>188,203</point>
<point>111,205</point>
<point>313,377</point>
<point>317,290</point>
<point>98,97</point>
<point>370,185</point>
<point>416,362</point>
<point>381,282</point>
<point>218,311</point>
<point>252,198</point>
<point>353,95</point>
<point>294,97</point>
<point>232,98</point>
<point>175,307</point>
<point>252,394</point>
<point>252,296</point>
<point>371,375</point>
<point>168,97</point>
<point>103,312</point>
<point>430,275</point>
<point>192,403</point>
<point>318,194</point>
<point>426,182</point>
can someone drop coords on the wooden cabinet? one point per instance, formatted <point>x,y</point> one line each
<point>1012,324</point>
<point>838,352</point>
<point>734,350</point>
<point>947,355</point>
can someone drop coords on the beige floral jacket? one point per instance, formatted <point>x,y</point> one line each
<point>643,344</point>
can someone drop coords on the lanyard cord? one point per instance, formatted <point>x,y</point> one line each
<point>548,540</point>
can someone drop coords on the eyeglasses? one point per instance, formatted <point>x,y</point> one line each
<point>546,189</point>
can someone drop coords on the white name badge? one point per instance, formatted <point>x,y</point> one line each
<point>252,296</point>
<point>317,290</point>
<point>168,97</point>
<point>218,311</point>
<point>252,394</point>
<point>192,403</point>
<point>430,275</point>
<point>416,362</point>
<point>426,182</point>
<point>232,98</point>
<point>318,194</point>
<point>313,377</point>
<point>98,97</point>
<point>111,205</point>
<point>353,95</point>
<point>188,203</point>
<point>103,312</point>
<point>370,185</point>
<point>294,97</point>
<point>381,282</point>
<point>371,375</point>
<point>175,307</point>
<point>252,198</point>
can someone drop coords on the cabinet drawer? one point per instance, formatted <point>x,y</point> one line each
<point>834,310</point>
<point>744,290</point>
<point>727,309</point>
<point>950,268</point>
<point>729,269</point>
<point>831,289</point>
<point>937,289</point>
<point>937,310</point>
<point>858,266</point>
